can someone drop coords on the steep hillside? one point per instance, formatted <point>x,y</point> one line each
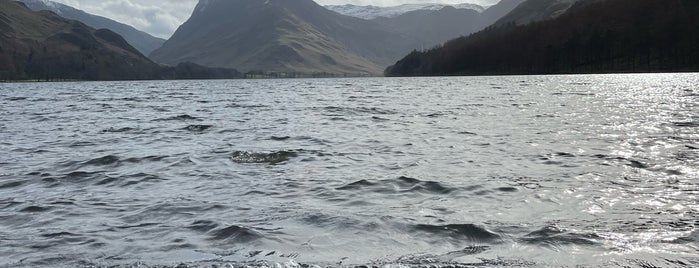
<point>42,45</point>
<point>593,36</point>
<point>501,9</point>
<point>536,10</point>
<point>145,43</point>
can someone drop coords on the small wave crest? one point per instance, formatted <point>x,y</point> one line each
<point>459,232</point>
<point>398,185</point>
<point>103,161</point>
<point>118,130</point>
<point>553,236</point>
<point>245,157</point>
<point>182,117</point>
<point>197,128</point>
<point>231,233</point>
<point>335,110</point>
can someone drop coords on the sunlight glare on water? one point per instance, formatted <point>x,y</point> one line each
<point>540,171</point>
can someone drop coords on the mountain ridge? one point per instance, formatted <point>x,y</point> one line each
<point>142,41</point>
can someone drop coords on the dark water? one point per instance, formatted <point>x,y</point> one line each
<point>539,171</point>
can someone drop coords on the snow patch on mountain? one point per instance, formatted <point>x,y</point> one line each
<point>372,12</point>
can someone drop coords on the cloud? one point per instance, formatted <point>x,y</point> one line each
<point>162,17</point>
<point>157,17</point>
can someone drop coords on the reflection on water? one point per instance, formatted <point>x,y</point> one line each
<point>590,170</point>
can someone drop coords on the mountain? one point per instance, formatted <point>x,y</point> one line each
<point>433,27</point>
<point>592,36</point>
<point>536,10</point>
<point>302,36</point>
<point>282,36</point>
<point>145,43</point>
<point>42,45</point>
<point>373,12</point>
<point>501,9</point>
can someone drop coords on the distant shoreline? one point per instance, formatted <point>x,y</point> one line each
<point>325,77</point>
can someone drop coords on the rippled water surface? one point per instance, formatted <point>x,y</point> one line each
<point>535,171</point>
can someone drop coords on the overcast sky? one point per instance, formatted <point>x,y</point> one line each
<point>162,17</point>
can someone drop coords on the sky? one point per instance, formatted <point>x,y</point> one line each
<point>162,17</point>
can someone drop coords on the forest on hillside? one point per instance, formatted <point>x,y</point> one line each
<point>593,36</point>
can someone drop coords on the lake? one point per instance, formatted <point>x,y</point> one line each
<point>533,171</point>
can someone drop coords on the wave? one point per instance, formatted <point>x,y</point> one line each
<point>692,237</point>
<point>130,180</point>
<point>197,128</point>
<point>552,236</point>
<point>458,232</point>
<point>279,138</point>
<point>35,208</point>
<point>234,234</point>
<point>103,161</point>
<point>182,117</point>
<point>112,161</point>
<point>11,184</point>
<point>686,124</point>
<point>245,157</point>
<point>398,185</point>
<point>118,130</point>
<point>335,110</point>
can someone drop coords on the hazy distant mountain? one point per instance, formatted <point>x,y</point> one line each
<point>43,45</point>
<point>145,43</point>
<point>373,12</point>
<point>434,27</point>
<point>283,36</point>
<point>592,36</point>
<point>536,10</point>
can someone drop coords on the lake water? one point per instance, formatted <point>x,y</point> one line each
<point>533,171</point>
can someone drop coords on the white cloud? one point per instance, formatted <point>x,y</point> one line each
<point>162,17</point>
<point>157,17</point>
